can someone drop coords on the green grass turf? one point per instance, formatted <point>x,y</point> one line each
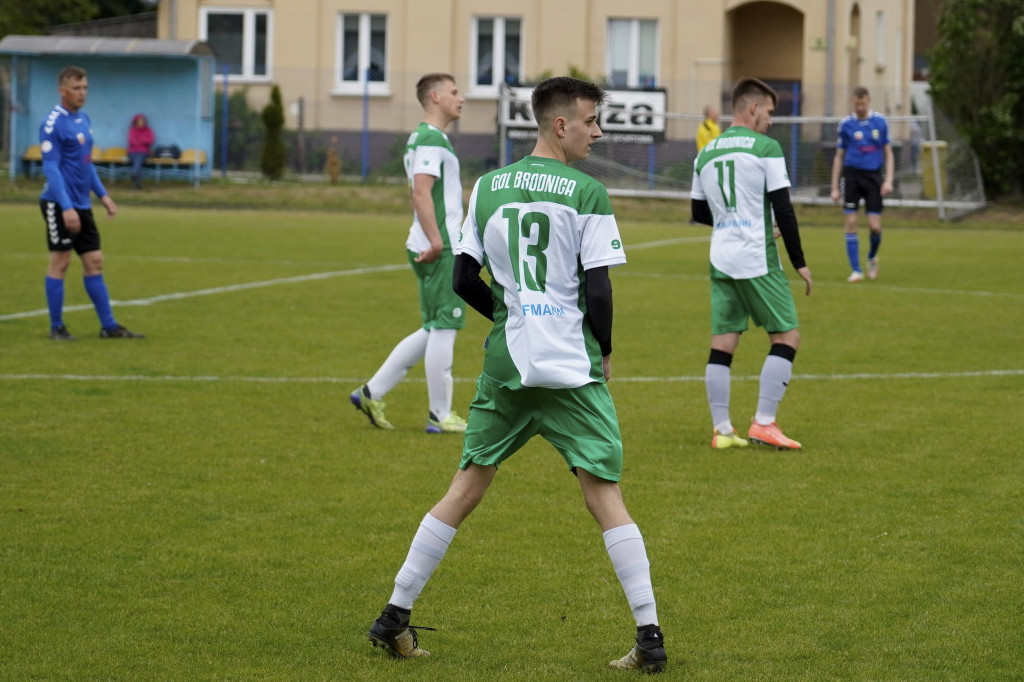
<point>206,505</point>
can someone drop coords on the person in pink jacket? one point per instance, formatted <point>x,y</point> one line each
<point>140,142</point>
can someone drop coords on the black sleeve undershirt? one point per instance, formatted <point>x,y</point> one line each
<point>598,292</point>
<point>468,285</point>
<point>785,218</point>
<point>701,212</point>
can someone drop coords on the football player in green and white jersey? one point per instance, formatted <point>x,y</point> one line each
<point>547,236</point>
<point>739,182</point>
<point>436,194</point>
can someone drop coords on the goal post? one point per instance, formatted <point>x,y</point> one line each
<point>649,152</point>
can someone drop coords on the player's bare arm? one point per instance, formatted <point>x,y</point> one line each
<point>423,205</point>
<point>109,204</point>
<point>890,165</point>
<point>837,169</point>
<point>72,223</point>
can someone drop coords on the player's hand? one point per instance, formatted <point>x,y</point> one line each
<point>606,367</point>
<point>805,274</point>
<point>835,195</point>
<point>430,255</point>
<point>886,188</point>
<point>72,223</point>
<point>109,204</point>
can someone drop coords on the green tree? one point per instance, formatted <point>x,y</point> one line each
<point>33,18</point>
<point>272,160</point>
<point>244,132</point>
<point>977,78</point>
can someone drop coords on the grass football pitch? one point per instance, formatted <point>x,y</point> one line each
<point>205,504</point>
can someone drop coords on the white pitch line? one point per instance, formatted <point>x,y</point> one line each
<point>666,242</point>
<point>353,381</point>
<point>218,290</point>
<point>177,296</point>
<point>386,268</point>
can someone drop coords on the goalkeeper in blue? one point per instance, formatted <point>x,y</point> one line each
<point>547,236</point>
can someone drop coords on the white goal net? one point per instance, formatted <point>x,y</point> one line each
<point>934,166</point>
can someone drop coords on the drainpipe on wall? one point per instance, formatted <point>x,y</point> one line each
<point>830,57</point>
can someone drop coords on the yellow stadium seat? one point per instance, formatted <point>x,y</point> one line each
<point>33,159</point>
<point>111,161</point>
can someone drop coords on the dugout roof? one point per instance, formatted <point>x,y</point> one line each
<point>170,81</point>
<point>108,47</point>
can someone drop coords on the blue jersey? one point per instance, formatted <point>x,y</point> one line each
<point>864,141</point>
<point>66,142</point>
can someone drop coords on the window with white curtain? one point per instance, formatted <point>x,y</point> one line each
<point>496,54</point>
<point>242,39</point>
<point>362,53</point>
<point>632,53</point>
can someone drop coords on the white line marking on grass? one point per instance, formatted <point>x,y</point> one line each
<point>344,380</point>
<point>387,268</point>
<point>219,290</point>
<point>798,284</point>
<point>666,242</point>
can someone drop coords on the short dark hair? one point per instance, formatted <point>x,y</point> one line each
<point>70,73</point>
<point>861,91</point>
<point>746,88</point>
<point>427,83</point>
<point>558,95</point>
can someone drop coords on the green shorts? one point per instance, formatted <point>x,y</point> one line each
<point>767,300</point>
<point>580,422</point>
<point>440,306</point>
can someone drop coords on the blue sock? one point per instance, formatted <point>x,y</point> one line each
<point>55,300</point>
<point>876,241</point>
<point>97,290</point>
<point>853,251</point>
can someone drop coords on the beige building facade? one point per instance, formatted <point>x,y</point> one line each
<point>352,63</point>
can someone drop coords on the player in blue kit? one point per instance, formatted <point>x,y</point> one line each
<point>66,141</point>
<point>863,155</point>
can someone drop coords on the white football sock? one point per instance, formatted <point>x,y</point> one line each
<point>425,553</point>
<point>626,549</point>
<point>437,364</point>
<point>717,380</point>
<point>775,376</point>
<point>407,353</point>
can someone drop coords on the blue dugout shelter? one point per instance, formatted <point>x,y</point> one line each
<point>170,81</point>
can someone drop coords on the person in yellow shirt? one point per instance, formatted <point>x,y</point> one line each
<point>708,129</point>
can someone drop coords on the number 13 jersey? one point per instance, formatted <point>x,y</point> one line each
<point>538,226</point>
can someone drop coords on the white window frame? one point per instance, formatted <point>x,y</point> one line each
<point>633,68</point>
<point>358,87</point>
<point>249,14</point>
<point>497,55</point>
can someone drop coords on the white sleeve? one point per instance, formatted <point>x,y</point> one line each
<point>600,243</point>
<point>775,175</point>
<point>426,159</point>
<point>469,236</point>
<point>696,191</point>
